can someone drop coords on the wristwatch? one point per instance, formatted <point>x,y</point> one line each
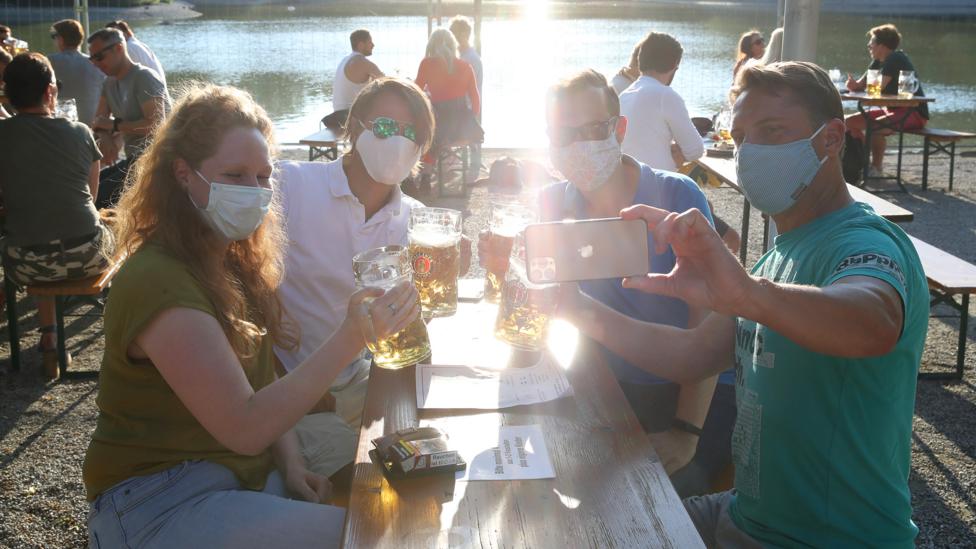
<point>682,425</point>
<point>115,124</point>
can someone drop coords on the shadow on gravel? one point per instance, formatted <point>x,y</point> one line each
<point>43,428</point>
<point>949,418</point>
<point>928,501</point>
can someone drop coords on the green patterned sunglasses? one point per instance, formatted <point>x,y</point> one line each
<point>384,127</point>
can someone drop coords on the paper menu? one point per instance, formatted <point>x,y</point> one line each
<point>519,452</point>
<point>465,387</point>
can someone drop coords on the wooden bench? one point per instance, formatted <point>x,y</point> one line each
<point>939,141</point>
<point>948,276</point>
<point>323,143</point>
<point>59,291</point>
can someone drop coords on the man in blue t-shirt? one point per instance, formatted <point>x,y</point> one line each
<point>585,132</point>
<point>827,332</point>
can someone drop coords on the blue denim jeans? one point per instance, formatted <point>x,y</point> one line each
<point>202,504</point>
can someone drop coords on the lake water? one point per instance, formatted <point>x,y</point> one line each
<point>287,59</point>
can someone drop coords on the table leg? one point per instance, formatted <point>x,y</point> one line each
<point>744,245</point>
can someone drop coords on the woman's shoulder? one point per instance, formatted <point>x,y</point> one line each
<point>152,268</point>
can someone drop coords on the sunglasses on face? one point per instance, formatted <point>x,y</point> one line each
<point>595,131</point>
<point>384,127</point>
<point>759,41</point>
<point>54,35</point>
<point>96,57</point>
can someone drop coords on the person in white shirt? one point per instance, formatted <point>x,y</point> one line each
<point>138,50</point>
<point>351,76</point>
<point>332,212</point>
<point>659,131</point>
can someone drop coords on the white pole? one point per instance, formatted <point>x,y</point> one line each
<point>800,30</point>
<point>86,23</point>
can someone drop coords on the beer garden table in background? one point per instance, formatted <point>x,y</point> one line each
<point>610,489</point>
<point>323,143</point>
<point>910,104</point>
<point>724,169</point>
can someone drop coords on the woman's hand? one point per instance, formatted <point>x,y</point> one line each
<point>308,486</point>
<point>387,313</point>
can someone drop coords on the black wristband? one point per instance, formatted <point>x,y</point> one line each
<point>686,427</point>
<point>115,124</point>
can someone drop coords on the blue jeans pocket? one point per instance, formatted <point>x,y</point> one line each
<point>136,502</point>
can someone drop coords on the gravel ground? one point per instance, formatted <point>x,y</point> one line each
<point>45,427</point>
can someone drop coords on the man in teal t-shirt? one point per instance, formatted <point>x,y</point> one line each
<point>827,332</point>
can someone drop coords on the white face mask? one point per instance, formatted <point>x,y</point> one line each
<point>389,160</point>
<point>587,164</point>
<point>235,211</point>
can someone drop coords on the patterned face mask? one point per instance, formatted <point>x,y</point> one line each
<point>587,164</point>
<point>774,176</point>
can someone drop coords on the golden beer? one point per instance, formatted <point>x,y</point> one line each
<point>435,255</point>
<point>525,307</point>
<point>408,346</point>
<point>873,81</point>
<point>385,268</point>
<point>523,314</point>
<point>874,89</point>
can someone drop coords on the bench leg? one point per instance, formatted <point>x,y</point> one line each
<point>952,166</point>
<point>901,142</point>
<point>62,348</point>
<point>925,165</point>
<point>12,329</point>
<point>963,329</point>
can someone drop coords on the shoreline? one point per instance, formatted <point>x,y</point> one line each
<point>182,10</point>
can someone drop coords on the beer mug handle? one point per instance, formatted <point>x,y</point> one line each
<point>914,84</point>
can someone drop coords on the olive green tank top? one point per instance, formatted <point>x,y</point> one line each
<point>143,427</point>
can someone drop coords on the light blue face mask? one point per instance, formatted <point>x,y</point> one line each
<point>774,176</point>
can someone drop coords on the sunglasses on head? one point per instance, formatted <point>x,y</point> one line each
<point>384,127</point>
<point>595,131</point>
<point>96,57</point>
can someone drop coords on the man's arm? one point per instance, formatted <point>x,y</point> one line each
<point>473,94</point>
<point>103,117</point>
<point>857,316</point>
<point>362,70</point>
<point>153,111</point>
<point>93,180</point>
<point>677,354</point>
<point>682,130</point>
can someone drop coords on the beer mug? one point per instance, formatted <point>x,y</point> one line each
<point>874,83</point>
<point>67,109</point>
<point>435,253</point>
<point>525,307</point>
<point>385,268</point>
<point>907,84</point>
<point>505,219</point>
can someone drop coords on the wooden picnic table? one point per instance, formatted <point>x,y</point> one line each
<point>892,101</point>
<point>610,488</point>
<point>724,169</point>
<point>323,143</point>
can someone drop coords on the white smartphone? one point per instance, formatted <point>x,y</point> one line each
<point>592,249</point>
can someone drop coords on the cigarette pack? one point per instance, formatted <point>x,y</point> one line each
<point>415,451</point>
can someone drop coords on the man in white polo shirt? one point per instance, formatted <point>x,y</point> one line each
<point>334,211</point>
<point>659,130</point>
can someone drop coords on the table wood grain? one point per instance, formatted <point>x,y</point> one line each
<point>610,489</point>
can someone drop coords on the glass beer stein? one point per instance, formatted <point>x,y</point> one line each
<point>435,253</point>
<point>505,219</point>
<point>525,307</point>
<point>385,268</point>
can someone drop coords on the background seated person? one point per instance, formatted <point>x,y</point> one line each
<point>883,42</point>
<point>351,76</point>
<point>48,176</point>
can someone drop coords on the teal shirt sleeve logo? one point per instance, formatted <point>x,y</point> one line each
<point>870,261</point>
